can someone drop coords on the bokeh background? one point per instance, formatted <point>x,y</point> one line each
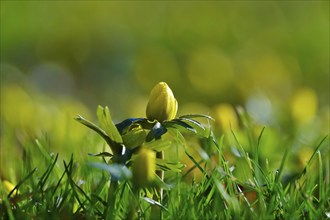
<point>268,60</point>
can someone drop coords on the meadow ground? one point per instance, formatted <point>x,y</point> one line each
<point>203,180</point>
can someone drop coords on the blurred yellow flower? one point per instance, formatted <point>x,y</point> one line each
<point>162,104</point>
<point>144,167</point>
<point>8,186</point>
<point>304,105</point>
<point>304,155</point>
<point>18,106</point>
<point>225,117</point>
<point>210,71</point>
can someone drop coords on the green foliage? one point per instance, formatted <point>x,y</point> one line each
<point>105,121</point>
<point>81,190</point>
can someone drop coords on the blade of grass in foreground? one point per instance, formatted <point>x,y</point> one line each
<point>313,155</point>
<point>45,176</point>
<point>321,187</point>
<point>21,182</point>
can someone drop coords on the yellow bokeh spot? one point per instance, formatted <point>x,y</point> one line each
<point>17,106</point>
<point>210,71</point>
<point>225,117</point>
<point>266,72</point>
<point>304,155</point>
<point>304,105</point>
<point>64,128</point>
<point>8,186</point>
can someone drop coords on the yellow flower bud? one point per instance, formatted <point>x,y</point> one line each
<point>162,104</point>
<point>144,167</point>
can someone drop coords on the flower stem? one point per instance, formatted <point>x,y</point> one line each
<point>156,210</point>
<point>160,173</point>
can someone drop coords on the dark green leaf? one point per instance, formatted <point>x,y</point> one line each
<point>102,154</point>
<point>128,122</point>
<point>156,132</point>
<point>177,123</point>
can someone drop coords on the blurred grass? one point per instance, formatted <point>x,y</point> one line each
<point>268,61</point>
<point>77,189</point>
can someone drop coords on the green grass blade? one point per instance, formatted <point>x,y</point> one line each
<point>21,182</point>
<point>313,155</point>
<point>280,170</point>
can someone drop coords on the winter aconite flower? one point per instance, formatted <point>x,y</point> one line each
<point>144,167</point>
<point>162,104</point>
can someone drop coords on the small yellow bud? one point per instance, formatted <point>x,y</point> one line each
<point>162,104</point>
<point>144,167</point>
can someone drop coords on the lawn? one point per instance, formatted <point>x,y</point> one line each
<point>206,176</point>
